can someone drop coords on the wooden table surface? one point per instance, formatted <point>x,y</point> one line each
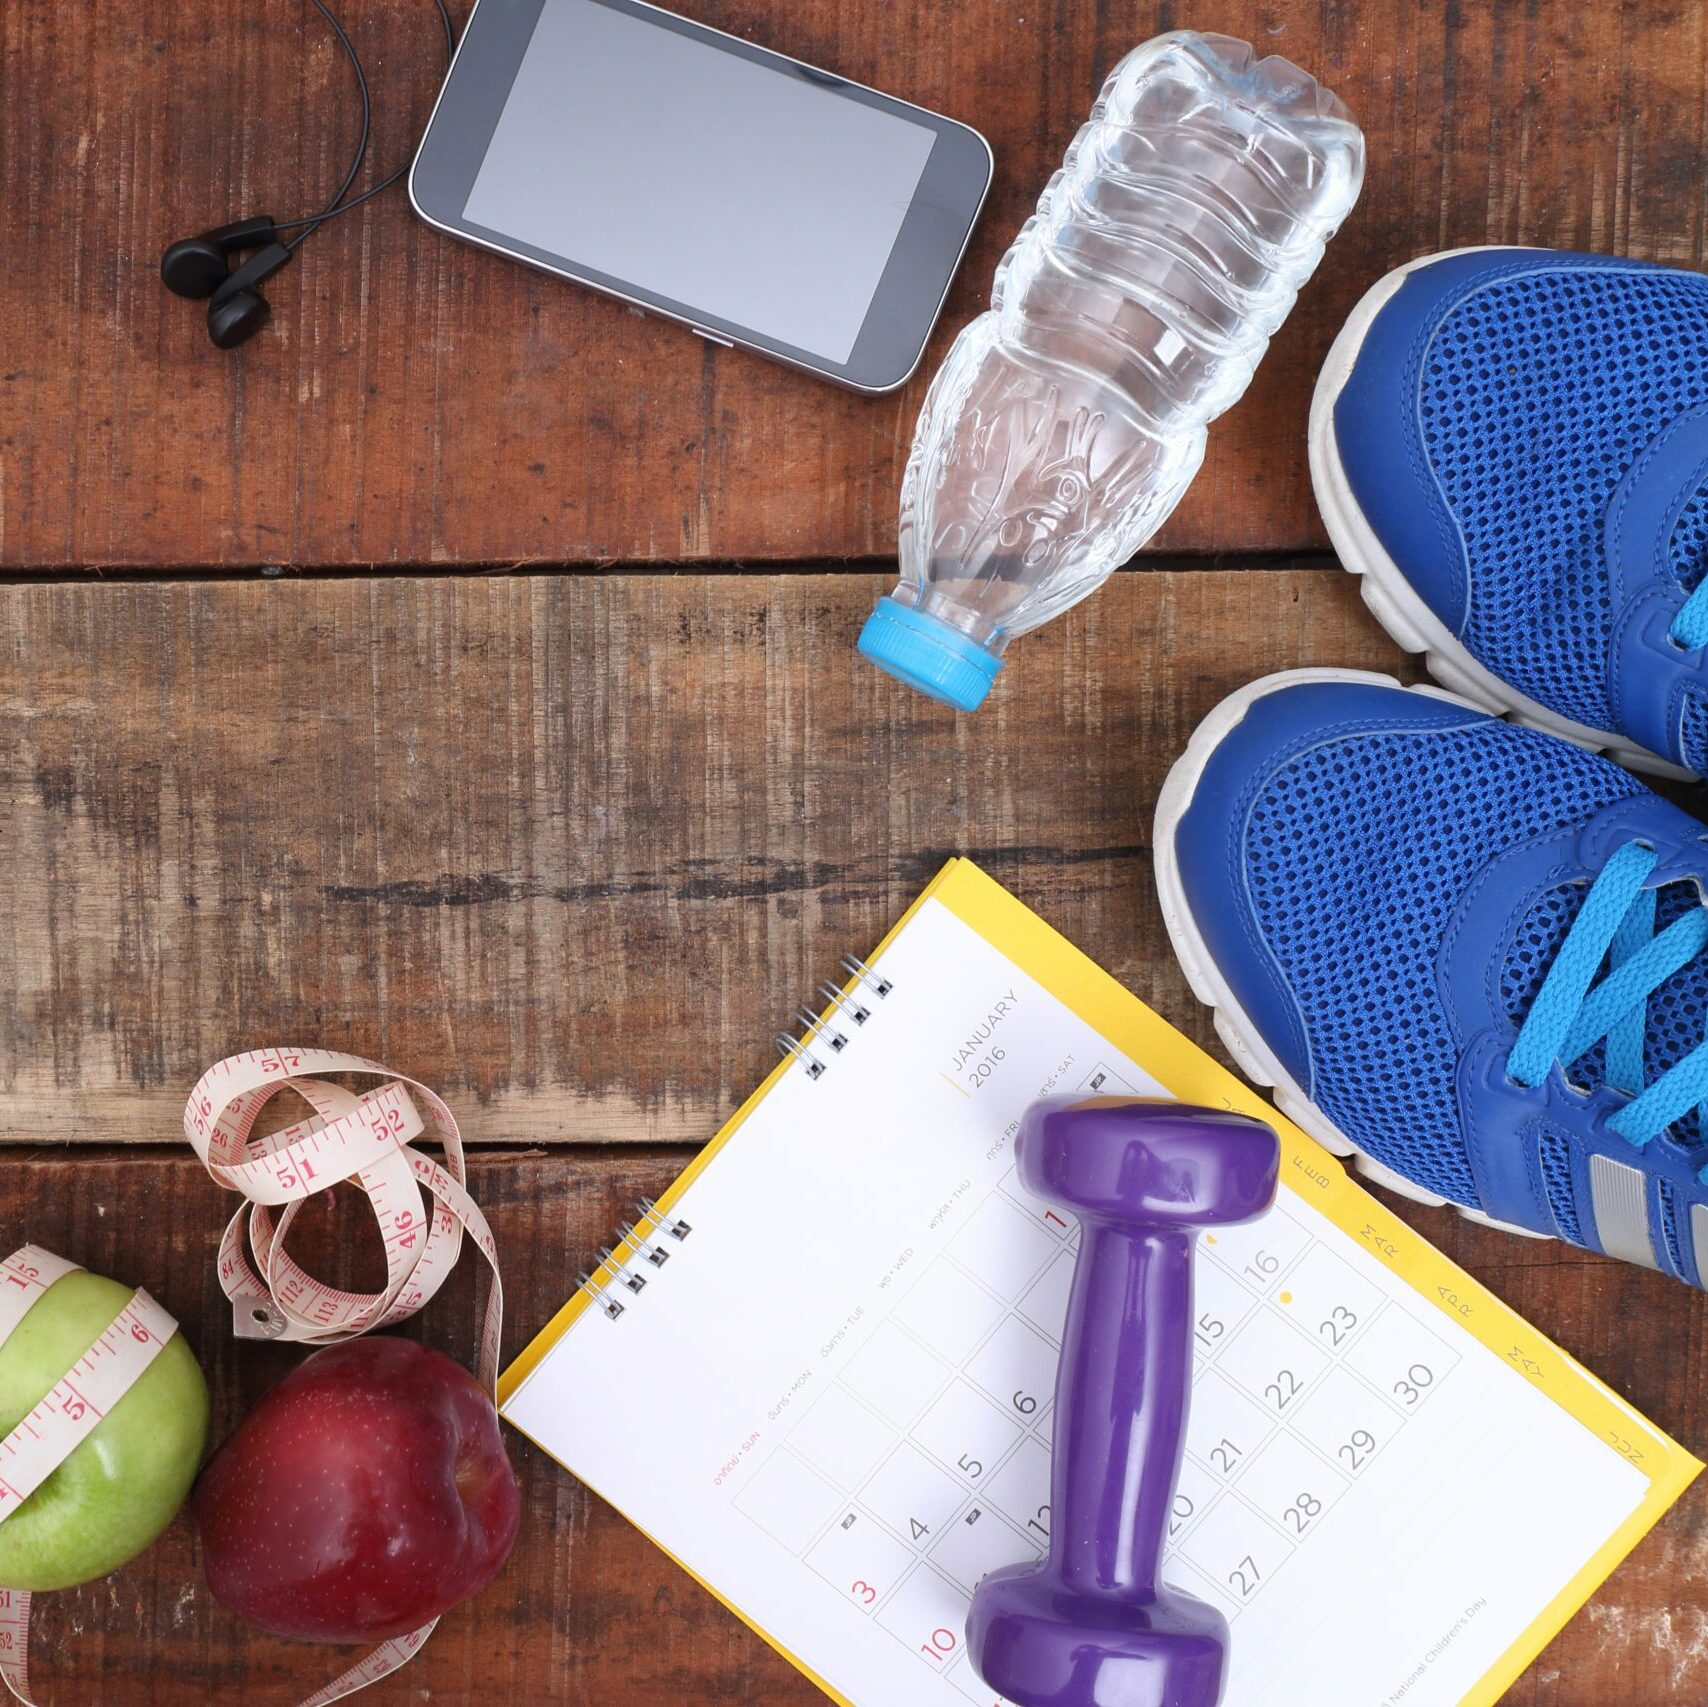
<point>463,674</point>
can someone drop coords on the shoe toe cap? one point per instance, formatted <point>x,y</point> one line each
<point>1446,380</point>
<point>1378,441</point>
<point>1245,749</point>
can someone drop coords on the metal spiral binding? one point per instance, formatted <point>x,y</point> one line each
<point>634,1238</point>
<point>818,1026</point>
<point>793,1046</point>
<point>876,982</point>
<point>821,1028</point>
<point>849,1004</point>
<point>649,1211</point>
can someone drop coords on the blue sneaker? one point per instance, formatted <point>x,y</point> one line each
<point>1469,953</point>
<point>1510,448</point>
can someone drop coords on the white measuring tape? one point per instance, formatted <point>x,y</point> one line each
<point>361,1139</point>
<point>65,1418</point>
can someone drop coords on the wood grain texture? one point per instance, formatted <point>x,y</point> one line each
<point>572,848</point>
<point>416,401</point>
<point>588,1610</point>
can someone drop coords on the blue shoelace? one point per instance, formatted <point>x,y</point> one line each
<point>1616,924</point>
<point>1690,626</point>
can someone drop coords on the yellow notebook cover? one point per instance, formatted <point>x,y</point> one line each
<point>827,1229</point>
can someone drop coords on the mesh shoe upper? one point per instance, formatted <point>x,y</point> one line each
<point>1537,394</point>
<point>1358,852</point>
<point>1384,882</point>
<point>1498,408</point>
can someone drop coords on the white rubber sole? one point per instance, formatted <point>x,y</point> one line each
<point>1235,1028</point>
<point>1391,598</point>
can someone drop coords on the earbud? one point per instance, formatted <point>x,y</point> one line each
<point>201,266</point>
<point>237,310</point>
<point>198,266</point>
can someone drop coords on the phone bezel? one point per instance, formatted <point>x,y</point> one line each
<point>910,294</point>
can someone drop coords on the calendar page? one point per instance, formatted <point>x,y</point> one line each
<point>832,1400</point>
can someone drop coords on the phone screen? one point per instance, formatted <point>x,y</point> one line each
<point>730,187</point>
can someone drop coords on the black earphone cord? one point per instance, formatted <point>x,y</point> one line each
<point>312,222</point>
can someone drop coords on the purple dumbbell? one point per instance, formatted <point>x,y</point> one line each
<point>1092,1625</point>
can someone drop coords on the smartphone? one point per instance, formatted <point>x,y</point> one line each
<point>757,200</point>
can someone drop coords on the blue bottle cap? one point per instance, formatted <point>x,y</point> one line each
<point>929,654</point>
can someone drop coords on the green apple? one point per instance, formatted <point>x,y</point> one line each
<point>123,1484</point>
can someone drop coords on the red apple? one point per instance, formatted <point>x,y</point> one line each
<point>365,1494</point>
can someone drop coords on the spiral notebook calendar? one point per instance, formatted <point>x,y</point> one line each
<point>819,1371</point>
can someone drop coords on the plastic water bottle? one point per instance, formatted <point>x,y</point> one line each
<point>1135,304</point>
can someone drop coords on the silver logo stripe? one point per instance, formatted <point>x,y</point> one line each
<point>1620,1196</point>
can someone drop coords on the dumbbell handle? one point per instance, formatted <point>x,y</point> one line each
<point>1120,1408</point>
<point>1092,1625</point>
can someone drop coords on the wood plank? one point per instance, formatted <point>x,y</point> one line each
<point>571,848</point>
<point>416,401</point>
<point>588,1610</point>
